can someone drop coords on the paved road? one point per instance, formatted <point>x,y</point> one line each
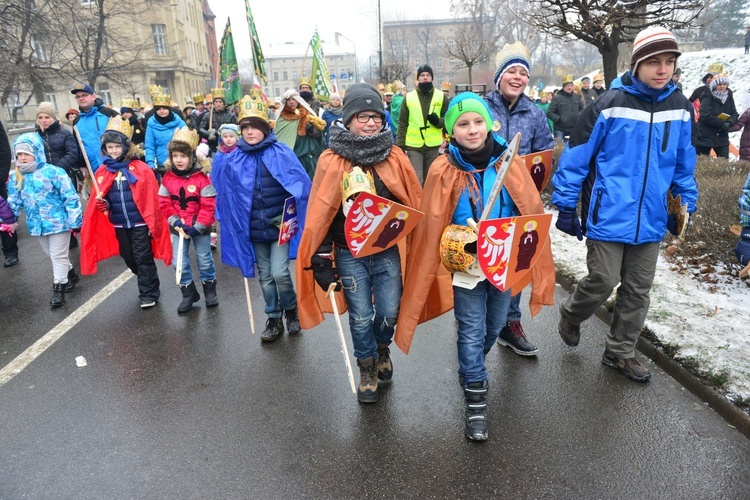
<point>194,406</point>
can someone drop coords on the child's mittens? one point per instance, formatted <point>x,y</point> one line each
<point>742,248</point>
<point>192,231</point>
<point>9,228</point>
<point>202,151</point>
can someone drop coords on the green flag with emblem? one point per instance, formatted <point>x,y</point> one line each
<point>320,78</point>
<point>258,59</point>
<point>230,73</point>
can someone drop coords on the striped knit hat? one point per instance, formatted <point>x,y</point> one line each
<point>515,54</point>
<point>652,41</point>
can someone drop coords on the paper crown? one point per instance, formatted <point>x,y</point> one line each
<point>305,80</point>
<point>208,99</point>
<point>129,103</point>
<point>355,182</point>
<point>567,79</point>
<point>161,100</point>
<point>445,86</point>
<point>186,135</point>
<point>218,93</point>
<point>117,124</point>
<point>253,106</point>
<point>511,54</point>
<point>198,98</point>
<point>155,90</point>
<point>389,88</point>
<point>716,68</point>
<point>397,85</point>
<point>599,78</point>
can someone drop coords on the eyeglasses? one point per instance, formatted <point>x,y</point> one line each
<point>367,118</point>
<point>81,95</point>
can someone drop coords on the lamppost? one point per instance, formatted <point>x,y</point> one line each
<point>356,66</point>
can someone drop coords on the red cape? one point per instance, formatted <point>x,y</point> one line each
<point>98,238</point>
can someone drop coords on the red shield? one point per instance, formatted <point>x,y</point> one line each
<point>375,223</point>
<point>507,248</point>
<point>539,166</point>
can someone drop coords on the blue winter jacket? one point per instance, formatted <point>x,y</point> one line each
<point>91,125</point>
<point>503,207</point>
<point>626,151</point>
<point>51,202</point>
<point>235,187</point>
<point>123,212</point>
<point>158,136</point>
<point>525,117</point>
<point>268,203</point>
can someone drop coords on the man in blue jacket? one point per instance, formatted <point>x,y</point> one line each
<point>91,122</point>
<point>628,149</point>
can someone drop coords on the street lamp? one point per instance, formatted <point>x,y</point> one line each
<point>356,66</point>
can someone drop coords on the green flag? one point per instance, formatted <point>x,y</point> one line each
<point>230,73</point>
<point>320,78</point>
<point>258,59</point>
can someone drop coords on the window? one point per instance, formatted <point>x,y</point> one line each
<point>87,2</point>
<point>277,92</point>
<point>37,48</point>
<point>294,76</point>
<point>104,93</point>
<point>440,63</point>
<point>164,84</point>
<point>31,5</point>
<point>51,98</point>
<point>159,32</point>
<point>275,75</point>
<point>286,75</point>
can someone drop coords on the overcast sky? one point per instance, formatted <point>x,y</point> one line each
<point>296,20</point>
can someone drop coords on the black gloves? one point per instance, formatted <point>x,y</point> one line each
<point>567,222</point>
<point>324,272</point>
<point>433,119</point>
<point>726,126</point>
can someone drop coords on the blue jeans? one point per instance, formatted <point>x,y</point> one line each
<point>514,311</point>
<point>560,135</point>
<point>375,276</point>
<point>202,256</point>
<point>274,276</point>
<point>480,314</point>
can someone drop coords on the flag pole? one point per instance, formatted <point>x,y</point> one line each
<point>345,350</point>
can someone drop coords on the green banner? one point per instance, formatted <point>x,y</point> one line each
<point>258,59</point>
<point>230,73</point>
<point>320,77</point>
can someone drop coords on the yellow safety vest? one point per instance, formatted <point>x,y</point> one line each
<point>419,133</point>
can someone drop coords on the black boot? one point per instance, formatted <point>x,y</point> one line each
<point>274,329</point>
<point>73,278</point>
<point>292,321</point>
<point>209,292</point>
<point>58,295</point>
<point>385,366</point>
<point>476,411</point>
<point>189,296</point>
<point>73,242</point>
<point>367,392</point>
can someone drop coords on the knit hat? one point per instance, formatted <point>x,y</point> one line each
<point>72,111</point>
<point>652,41</point>
<point>424,68</point>
<point>585,79</point>
<point>229,128</point>
<point>23,147</point>
<point>515,54</point>
<point>362,97</point>
<point>335,95</point>
<point>257,123</point>
<point>112,136</point>
<point>721,79</point>
<point>47,108</point>
<point>463,103</point>
<point>677,71</point>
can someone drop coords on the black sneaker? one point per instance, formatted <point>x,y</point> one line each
<point>147,303</point>
<point>629,367</point>
<point>570,333</point>
<point>274,329</point>
<point>512,336</point>
<point>367,392</point>
<point>292,321</point>
<point>10,261</point>
<point>476,424</point>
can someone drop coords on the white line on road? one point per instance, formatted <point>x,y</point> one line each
<point>37,348</point>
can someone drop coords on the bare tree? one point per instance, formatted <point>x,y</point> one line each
<point>606,24</point>
<point>476,37</point>
<point>583,56</point>
<point>399,45</point>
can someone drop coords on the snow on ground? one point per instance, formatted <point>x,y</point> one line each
<point>709,323</point>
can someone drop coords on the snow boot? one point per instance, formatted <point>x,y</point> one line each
<point>58,295</point>
<point>385,366</point>
<point>367,392</point>
<point>73,278</point>
<point>274,329</point>
<point>292,321</point>
<point>475,395</point>
<point>189,296</point>
<point>209,292</point>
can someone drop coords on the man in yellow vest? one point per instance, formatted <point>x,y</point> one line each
<point>420,125</point>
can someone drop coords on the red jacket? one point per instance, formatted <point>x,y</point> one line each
<point>191,199</point>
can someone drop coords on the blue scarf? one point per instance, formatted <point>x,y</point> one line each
<point>648,90</point>
<point>114,166</point>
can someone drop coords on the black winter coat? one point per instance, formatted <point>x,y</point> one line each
<point>5,158</point>
<point>60,146</point>
<point>217,121</point>
<point>711,131</point>
<point>564,110</point>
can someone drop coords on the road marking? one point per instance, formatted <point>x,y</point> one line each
<point>37,348</point>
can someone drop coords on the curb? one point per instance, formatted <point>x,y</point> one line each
<point>733,415</point>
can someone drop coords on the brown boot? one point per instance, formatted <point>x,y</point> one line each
<point>385,365</point>
<point>367,392</point>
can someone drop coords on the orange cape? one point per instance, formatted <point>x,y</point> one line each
<point>98,240</point>
<point>325,199</point>
<point>428,291</point>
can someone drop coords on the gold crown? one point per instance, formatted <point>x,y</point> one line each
<point>355,182</point>
<point>389,89</point>
<point>117,124</point>
<point>186,135</point>
<point>599,78</point>
<point>218,93</point>
<point>397,85</point>
<point>567,79</point>
<point>253,106</point>
<point>716,68</point>
<point>155,90</point>
<point>129,103</point>
<point>161,100</point>
<point>445,86</point>
<point>305,80</point>
<point>198,98</point>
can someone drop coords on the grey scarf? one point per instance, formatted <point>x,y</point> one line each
<point>26,167</point>
<point>722,96</point>
<point>365,150</point>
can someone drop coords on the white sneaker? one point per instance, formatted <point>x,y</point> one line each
<point>214,238</point>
